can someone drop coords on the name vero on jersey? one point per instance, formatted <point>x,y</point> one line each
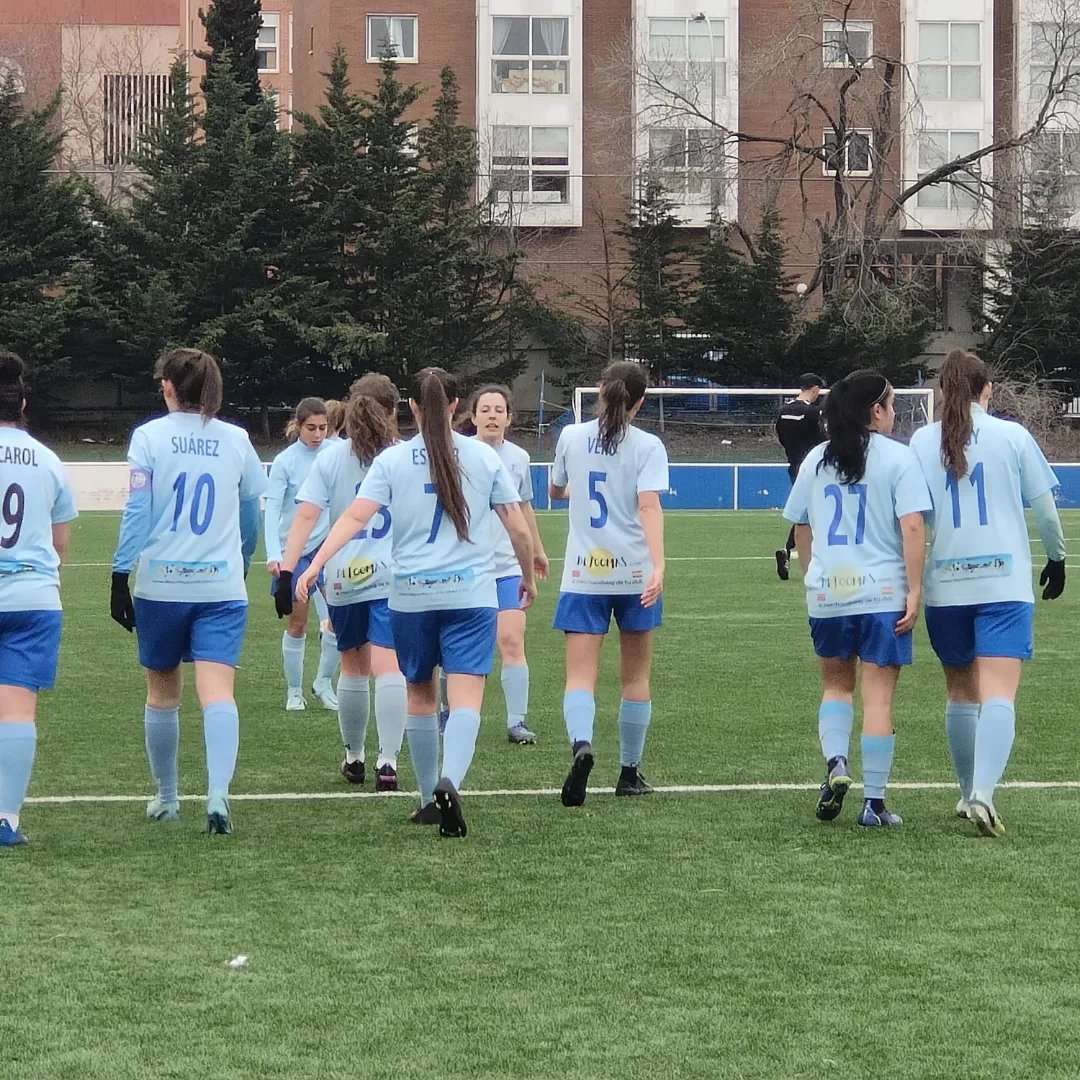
<point>191,444</point>
<point>17,455</point>
<point>596,447</point>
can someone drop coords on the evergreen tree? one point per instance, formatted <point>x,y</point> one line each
<point>658,284</point>
<point>232,26</point>
<point>44,234</point>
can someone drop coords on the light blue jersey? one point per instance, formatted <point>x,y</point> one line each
<point>187,534</point>
<point>34,496</point>
<point>606,552</point>
<point>433,569</point>
<point>857,563</point>
<point>517,464</point>
<point>362,569</point>
<point>287,475</point>
<point>979,550</point>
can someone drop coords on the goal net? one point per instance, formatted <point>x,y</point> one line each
<point>723,423</point>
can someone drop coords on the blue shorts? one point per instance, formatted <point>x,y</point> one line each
<point>509,598</point>
<point>461,641</point>
<point>171,633</point>
<point>959,634</point>
<point>871,636</point>
<point>29,648</point>
<point>301,565</point>
<point>581,613</point>
<point>357,624</point>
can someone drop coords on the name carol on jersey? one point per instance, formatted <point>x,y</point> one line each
<point>190,444</point>
<point>18,455</point>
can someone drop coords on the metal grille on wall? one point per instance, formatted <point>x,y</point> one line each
<point>132,105</point>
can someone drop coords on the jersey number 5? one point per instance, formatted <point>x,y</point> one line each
<point>202,503</point>
<point>596,496</point>
<point>13,509</point>
<point>836,538</point>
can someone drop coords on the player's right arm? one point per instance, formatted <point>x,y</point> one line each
<point>560,478</point>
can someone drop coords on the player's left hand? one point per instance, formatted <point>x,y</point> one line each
<point>304,584</point>
<point>541,565</point>
<point>653,589</point>
<point>911,614</point>
<point>1053,577</point>
<point>121,606</point>
<point>526,594</point>
<point>283,595</point>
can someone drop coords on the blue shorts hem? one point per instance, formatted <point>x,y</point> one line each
<point>29,648</point>
<point>960,633</point>
<point>459,640</point>
<point>591,613</point>
<point>867,636</point>
<point>171,633</point>
<point>362,623</point>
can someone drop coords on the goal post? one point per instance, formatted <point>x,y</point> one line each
<point>740,414</point>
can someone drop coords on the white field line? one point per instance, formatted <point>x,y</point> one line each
<point>677,789</point>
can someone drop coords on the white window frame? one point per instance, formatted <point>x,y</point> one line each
<point>694,181</point>
<point>948,63</point>
<point>851,26</point>
<point>695,71</point>
<point>530,169</point>
<point>10,69</point>
<point>1066,170</point>
<point>864,133</point>
<point>529,59</point>
<point>131,106</point>
<point>271,20</point>
<point>955,197</point>
<point>415,59</point>
<point>290,41</point>
<point>1039,70</point>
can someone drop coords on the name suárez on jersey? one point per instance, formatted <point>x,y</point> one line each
<point>189,444</point>
<point>17,455</point>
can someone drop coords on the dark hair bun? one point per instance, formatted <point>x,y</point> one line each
<point>12,369</point>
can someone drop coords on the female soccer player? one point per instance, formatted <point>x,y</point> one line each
<point>335,418</point>
<point>36,508</point>
<point>358,580</point>
<point>441,488</point>
<point>191,522</point>
<point>979,601</point>
<point>491,413</point>
<point>288,472</point>
<point>857,505</point>
<point>613,474</point>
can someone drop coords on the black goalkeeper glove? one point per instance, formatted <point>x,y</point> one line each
<point>1053,577</point>
<point>283,595</point>
<point>121,607</point>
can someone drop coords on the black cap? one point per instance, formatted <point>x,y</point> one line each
<point>810,380</point>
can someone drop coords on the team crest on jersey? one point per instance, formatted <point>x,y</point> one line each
<point>138,480</point>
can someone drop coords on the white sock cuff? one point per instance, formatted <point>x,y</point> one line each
<point>422,723</point>
<point>352,682</point>
<point>290,642</point>
<point>392,678</point>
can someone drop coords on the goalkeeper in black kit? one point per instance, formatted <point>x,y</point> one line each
<point>798,428</point>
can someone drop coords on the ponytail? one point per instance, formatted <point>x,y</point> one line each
<point>196,378</point>
<point>963,378</point>
<point>12,387</point>
<point>371,416</point>
<point>847,415</point>
<point>432,390</point>
<point>335,416</point>
<point>622,386</point>
<point>304,411</point>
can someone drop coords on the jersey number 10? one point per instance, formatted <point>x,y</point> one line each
<point>202,503</point>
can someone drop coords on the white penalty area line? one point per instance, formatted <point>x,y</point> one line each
<point>677,789</point>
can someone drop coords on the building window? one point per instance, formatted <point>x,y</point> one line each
<point>392,35</point>
<point>852,157</point>
<point>950,66</point>
<point>531,55</point>
<point>847,44</point>
<point>10,72</point>
<point>1053,45</point>
<point>530,164</point>
<point>290,41</point>
<point>266,45</point>
<point>686,161</point>
<point>680,49</point>
<point>1055,171</point>
<point>963,190</point>
<point>131,107</point>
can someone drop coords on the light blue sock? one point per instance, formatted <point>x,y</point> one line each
<point>961,719</point>
<point>515,684</point>
<point>877,758</point>
<point>993,743</point>
<point>162,730</point>
<point>353,709</point>
<point>634,717</point>
<point>221,731</point>
<point>328,656</point>
<point>459,744</point>
<point>834,721</point>
<point>292,659</point>
<point>579,712</point>
<point>18,741</point>
<point>391,706</point>
<point>423,735</point>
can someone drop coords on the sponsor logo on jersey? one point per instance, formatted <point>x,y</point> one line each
<point>600,562</point>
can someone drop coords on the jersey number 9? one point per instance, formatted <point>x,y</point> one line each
<point>13,509</point>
